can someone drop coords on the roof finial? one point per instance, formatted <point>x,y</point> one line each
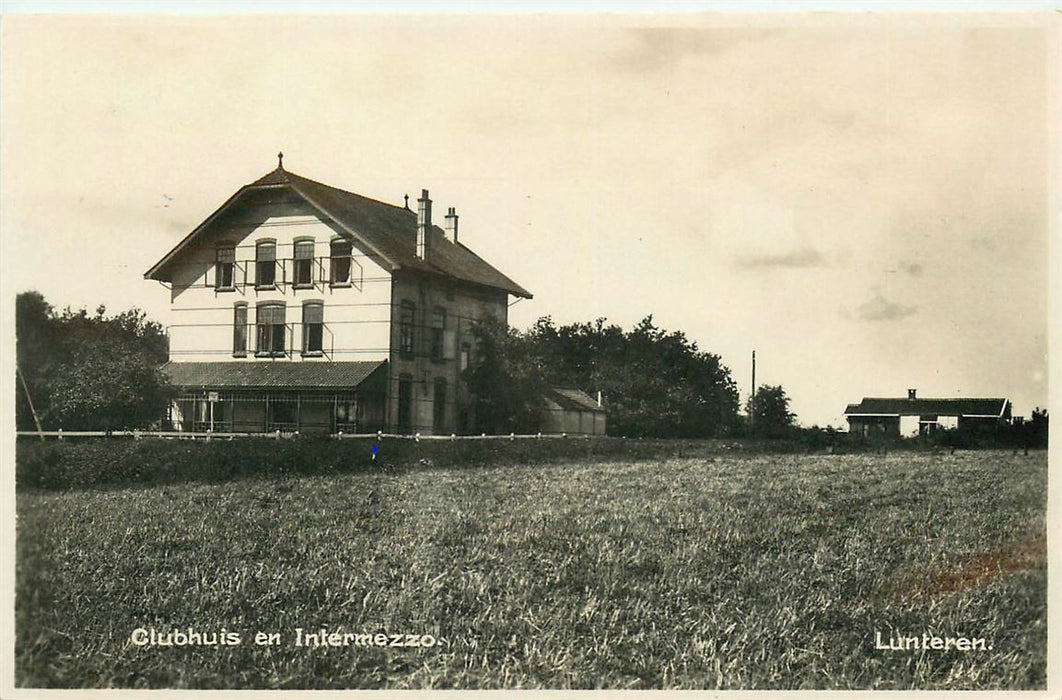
<point>280,160</point>
<point>407,201</point>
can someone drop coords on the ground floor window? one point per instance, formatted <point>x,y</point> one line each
<point>405,404</point>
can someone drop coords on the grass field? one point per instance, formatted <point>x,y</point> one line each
<point>728,572</point>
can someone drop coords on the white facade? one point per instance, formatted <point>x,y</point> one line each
<point>354,311</point>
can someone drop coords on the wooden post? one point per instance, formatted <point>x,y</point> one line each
<point>36,418</point>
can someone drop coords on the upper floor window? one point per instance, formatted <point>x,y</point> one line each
<point>438,330</point>
<point>265,267</point>
<point>271,329</point>
<point>313,328</point>
<point>340,262</point>
<point>406,319</point>
<point>224,267</point>
<point>239,330</point>
<point>303,273</point>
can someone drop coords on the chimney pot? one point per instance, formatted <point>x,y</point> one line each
<point>451,225</point>
<point>911,394</point>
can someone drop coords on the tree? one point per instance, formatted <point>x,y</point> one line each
<point>90,372</point>
<point>505,380</point>
<point>655,383</point>
<point>769,412</point>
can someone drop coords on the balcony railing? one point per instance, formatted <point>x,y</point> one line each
<point>244,273</point>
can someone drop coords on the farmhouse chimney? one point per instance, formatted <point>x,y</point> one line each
<point>911,394</point>
<point>423,224</point>
<point>451,225</point>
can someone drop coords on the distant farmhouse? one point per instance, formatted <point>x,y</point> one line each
<point>915,416</point>
<point>300,306</point>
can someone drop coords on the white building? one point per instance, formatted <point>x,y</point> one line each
<point>299,306</point>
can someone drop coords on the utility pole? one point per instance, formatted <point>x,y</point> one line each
<point>752,395</point>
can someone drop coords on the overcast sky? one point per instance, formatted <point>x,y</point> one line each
<point>862,200</point>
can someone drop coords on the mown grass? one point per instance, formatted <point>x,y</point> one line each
<point>752,572</point>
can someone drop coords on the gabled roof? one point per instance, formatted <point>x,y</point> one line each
<point>386,230</point>
<point>270,375</point>
<point>927,407</point>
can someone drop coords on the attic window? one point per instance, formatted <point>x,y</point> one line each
<point>340,262</point>
<point>304,249</point>
<point>265,267</point>
<point>225,262</point>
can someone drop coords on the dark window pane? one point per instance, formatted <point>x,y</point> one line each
<point>340,262</point>
<point>239,331</point>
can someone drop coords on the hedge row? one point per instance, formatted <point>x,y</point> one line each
<point>118,461</point>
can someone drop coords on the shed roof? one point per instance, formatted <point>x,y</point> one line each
<point>573,399</point>
<point>271,375</point>
<point>387,230</point>
<point>925,407</point>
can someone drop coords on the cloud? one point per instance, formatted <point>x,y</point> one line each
<point>879,308</point>
<point>797,258</point>
<point>655,48</point>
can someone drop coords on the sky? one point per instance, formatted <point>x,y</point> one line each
<point>866,200</point>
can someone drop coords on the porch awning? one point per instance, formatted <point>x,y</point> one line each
<point>270,375</point>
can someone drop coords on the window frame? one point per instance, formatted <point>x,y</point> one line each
<point>271,333</point>
<point>259,262</point>
<point>306,326</point>
<point>437,334</point>
<point>230,265</point>
<point>298,262</point>
<point>348,258</point>
<point>407,329</point>
<point>239,330</point>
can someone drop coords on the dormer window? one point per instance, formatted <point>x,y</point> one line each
<point>304,249</point>
<point>265,265</point>
<point>224,265</point>
<point>340,262</point>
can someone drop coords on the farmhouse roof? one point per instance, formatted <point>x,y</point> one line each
<point>928,407</point>
<point>386,230</point>
<point>272,375</point>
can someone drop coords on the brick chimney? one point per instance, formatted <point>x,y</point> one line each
<point>911,394</point>
<point>451,225</point>
<point>423,224</point>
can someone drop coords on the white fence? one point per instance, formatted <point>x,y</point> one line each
<point>277,435</point>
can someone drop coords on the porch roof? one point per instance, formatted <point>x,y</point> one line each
<point>270,375</point>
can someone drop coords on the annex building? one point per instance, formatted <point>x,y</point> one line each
<point>300,306</point>
<point>912,416</point>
